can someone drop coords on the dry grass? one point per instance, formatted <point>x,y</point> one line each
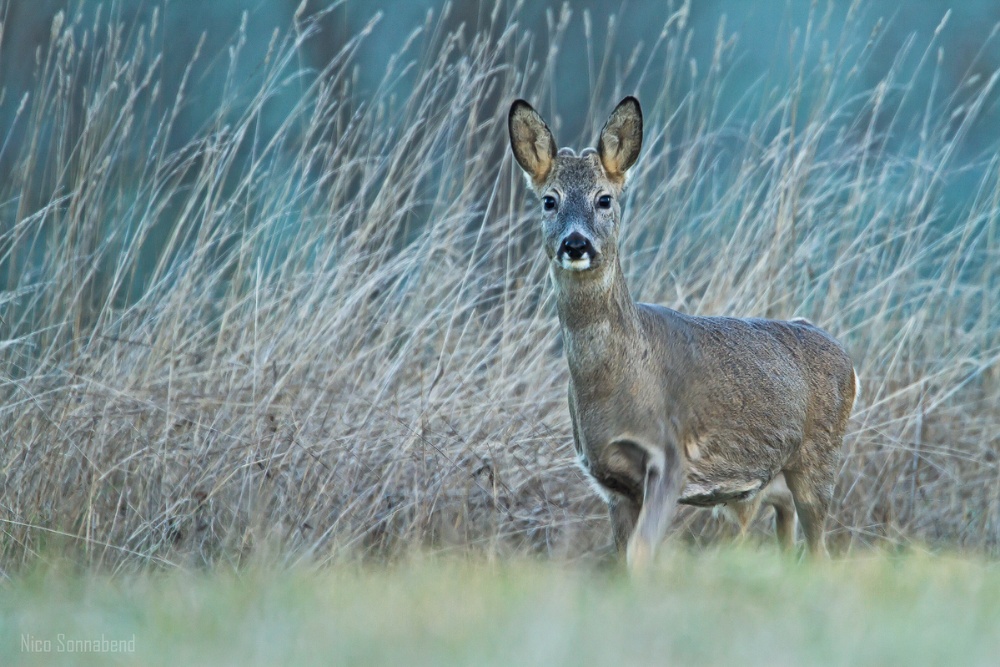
<point>338,341</point>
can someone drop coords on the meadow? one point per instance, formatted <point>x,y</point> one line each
<point>713,607</point>
<point>332,347</point>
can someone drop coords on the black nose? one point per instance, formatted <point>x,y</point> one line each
<point>576,245</point>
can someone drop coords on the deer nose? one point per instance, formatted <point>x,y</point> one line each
<point>576,245</point>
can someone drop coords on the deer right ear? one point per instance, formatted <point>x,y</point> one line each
<point>532,142</point>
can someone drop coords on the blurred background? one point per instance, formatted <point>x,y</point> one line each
<point>763,41</point>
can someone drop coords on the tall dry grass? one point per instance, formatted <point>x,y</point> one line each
<point>338,341</point>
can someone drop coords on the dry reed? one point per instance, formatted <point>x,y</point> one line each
<point>338,340</point>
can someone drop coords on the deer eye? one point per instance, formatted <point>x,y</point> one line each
<point>604,201</point>
<point>549,203</point>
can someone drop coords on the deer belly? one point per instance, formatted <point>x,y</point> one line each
<point>720,472</point>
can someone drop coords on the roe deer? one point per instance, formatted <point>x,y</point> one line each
<point>668,407</point>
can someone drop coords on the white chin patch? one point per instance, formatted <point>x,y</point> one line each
<point>581,264</point>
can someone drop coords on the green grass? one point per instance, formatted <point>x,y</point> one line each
<point>714,607</point>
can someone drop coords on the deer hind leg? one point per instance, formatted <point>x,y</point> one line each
<point>784,525</point>
<point>741,513</point>
<point>811,482</point>
<point>780,498</point>
<point>777,495</point>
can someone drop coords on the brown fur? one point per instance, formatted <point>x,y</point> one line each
<point>668,407</point>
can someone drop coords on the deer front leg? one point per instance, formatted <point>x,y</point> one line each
<point>661,489</point>
<point>624,514</point>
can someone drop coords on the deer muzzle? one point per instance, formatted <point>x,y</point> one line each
<point>576,252</point>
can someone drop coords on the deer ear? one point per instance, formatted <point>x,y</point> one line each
<point>532,142</point>
<point>621,139</point>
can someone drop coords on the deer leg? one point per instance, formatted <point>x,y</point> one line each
<point>784,523</point>
<point>812,491</point>
<point>744,511</point>
<point>780,498</point>
<point>624,514</point>
<point>737,513</point>
<point>661,491</point>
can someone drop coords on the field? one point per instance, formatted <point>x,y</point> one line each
<point>706,608</point>
<point>321,349</point>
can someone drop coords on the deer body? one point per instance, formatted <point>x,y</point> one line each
<point>668,407</point>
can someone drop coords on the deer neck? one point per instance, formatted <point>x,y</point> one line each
<point>599,320</point>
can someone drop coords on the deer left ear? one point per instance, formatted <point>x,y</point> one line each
<point>621,139</point>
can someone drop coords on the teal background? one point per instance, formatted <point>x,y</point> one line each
<point>765,40</point>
